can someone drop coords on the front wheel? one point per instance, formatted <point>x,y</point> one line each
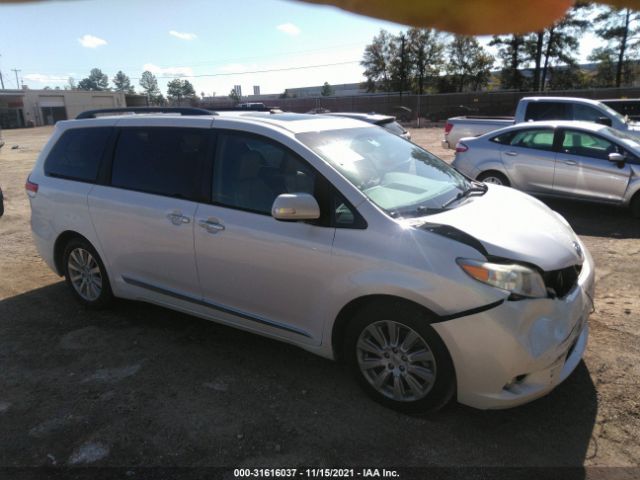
<point>85,274</point>
<point>399,359</point>
<point>634,206</point>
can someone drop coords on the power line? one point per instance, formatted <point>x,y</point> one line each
<point>237,59</point>
<point>226,74</point>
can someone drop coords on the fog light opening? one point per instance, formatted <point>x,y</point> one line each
<point>512,385</point>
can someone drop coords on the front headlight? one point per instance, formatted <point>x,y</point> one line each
<point>514,278</point>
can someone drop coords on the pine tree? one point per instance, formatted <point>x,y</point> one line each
<point>620,28</point>
<point>96,81</point>
<point>149,84</point>
<point>122,83</point>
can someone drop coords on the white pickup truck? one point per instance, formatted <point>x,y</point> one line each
<point>531,109</point>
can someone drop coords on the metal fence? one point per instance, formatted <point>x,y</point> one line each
<point>436,107</point>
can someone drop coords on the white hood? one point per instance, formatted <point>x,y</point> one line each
<point>514,225</point>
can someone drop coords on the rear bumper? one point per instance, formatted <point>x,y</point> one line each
<point>520,350</point>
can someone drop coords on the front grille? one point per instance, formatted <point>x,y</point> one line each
<point>561,282</point>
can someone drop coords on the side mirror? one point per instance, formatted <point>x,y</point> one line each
<point>617,158</point>
<point>295,206</point>
<point>604,121</point>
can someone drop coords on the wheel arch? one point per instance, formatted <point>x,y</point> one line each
<point>348,311</point>
<point>59,246</point>
<point>492,169</point>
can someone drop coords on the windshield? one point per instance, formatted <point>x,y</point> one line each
<point>397,175</point>
<point>624,136</point>
<point>613,113</point>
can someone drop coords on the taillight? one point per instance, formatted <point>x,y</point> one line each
<point>447,127</point>
<point>31,188</point>
<point>461,147</point>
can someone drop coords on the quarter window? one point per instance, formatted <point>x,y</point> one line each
<point>249,173</point>
<point>77,155</point>
<point>162,161</point>
<point>538,139</point>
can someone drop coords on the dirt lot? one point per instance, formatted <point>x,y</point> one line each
<point>144,386</point>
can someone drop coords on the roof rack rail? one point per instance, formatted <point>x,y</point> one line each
<point>180,110</point>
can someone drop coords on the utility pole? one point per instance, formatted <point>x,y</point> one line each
<point>17,81</point>
<point>1,80</point>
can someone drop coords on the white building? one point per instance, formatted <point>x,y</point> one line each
<point>26,107</point>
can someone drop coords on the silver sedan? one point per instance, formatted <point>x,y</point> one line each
<point>579,160</point>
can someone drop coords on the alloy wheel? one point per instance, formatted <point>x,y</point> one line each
<point>396,361</point>
<point>84,273</point>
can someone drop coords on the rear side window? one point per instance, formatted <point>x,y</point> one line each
<point>162,161</point>
<point>538,139</point>
<point>538,111</point>
<point>77,154</point>
<point>504,139</point>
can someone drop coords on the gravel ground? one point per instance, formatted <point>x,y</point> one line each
<point>139,385</point>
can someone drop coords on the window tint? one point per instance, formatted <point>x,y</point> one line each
<point>504,139</point>
<point>586,113</point>
<point>343,213</point>
<point>77,154</point>
<point>250,172</point>
<point>538,139</point>
<point>537,111</point>
<point>164,161</point>
<point>587,145</point>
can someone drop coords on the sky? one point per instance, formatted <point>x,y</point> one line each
<point>215,44</point>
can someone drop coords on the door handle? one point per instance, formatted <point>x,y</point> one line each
<point>177,218</point>
<point>211,226</point>
<point>570,162</point>
<point>511,154</point>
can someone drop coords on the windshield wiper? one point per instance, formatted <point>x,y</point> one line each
<point>476,189</point>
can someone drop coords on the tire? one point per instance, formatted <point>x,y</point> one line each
<point>424,384</point>
<point>634,206</point>
<point>85,274</point>
<point>494,177</point>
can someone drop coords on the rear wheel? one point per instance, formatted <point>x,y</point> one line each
<point>398,358</point>
<point>85,274</point>
<point>494,177</point>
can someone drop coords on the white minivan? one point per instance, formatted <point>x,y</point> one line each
<point>328,233</point>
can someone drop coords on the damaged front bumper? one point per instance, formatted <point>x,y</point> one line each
<point>520,350</point>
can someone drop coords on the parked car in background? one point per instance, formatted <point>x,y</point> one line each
<point>324,232</point>
<point>531,109</point>
<point>579,160</point>
<point>387,122</point>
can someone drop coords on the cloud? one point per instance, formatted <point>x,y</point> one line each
<point>89,41</point>
<point>183,35</point>
<point>168,71</point>
<point>43,78</point>
<point>289,29</point>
